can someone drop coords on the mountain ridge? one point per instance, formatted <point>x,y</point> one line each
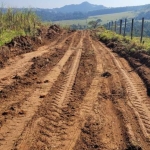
<point>78,7</point>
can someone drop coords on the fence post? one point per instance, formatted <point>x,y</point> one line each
<point>112,25</point>
<point>132,29</point>
<point>121,26</point>
<point>125,27</point>
<point>142,30</point>
<point>109,25</point>
<point>115,26</point>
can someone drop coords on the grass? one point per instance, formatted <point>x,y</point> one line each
<point>16,23</point>
<point>146,40</point>
<point>8,35</point>
<point>113,17</point>
<point>105,18</point>
<point>106,35</point>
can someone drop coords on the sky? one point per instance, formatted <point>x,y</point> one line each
<point>60,3</point>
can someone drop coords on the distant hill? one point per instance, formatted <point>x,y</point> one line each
<point>83,7</point>
<point>119,10</point>
<point>84,10</point>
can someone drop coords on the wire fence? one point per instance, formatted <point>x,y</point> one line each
<point>120,27</point>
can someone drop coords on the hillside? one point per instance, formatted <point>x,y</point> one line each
<point>79,8</point>
<point>85,10</point>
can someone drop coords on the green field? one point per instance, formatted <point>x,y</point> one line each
<point>105,18</point>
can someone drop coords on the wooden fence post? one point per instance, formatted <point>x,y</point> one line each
<point>115,26</point>
<point>125,27</point>
<point>142,29</point>
<point>109,25</point>
<point>112,25</point>
<point>121,26</point>
<point>132,29</point>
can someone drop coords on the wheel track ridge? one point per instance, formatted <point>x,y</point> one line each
<point>35,96</point>
<point>66,79</point>
<point>131,89</point>
<point>67,89</point>
<point>87,104</point>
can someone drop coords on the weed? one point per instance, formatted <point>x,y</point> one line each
<point>15,23</point>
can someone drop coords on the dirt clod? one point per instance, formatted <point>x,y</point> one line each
<point>106,74</point>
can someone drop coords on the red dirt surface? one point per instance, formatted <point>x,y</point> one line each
<point>73,93</point>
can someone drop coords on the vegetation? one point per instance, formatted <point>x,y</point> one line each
<point>145,14</point>
<point>83,7</point>
<point>15,23</point>
<point>136,27</point>
<point>134,44</point>
<point>104,19</point>
<point>84,11</point>
<point>94,24</point>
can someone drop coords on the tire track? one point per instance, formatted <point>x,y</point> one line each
<point>49,129</point>
<point>17,84</point>
<point>13,128</point>
<point>137,99</point>
<point>97,128</point>
<point>19,65</point>
<point>86,107</point>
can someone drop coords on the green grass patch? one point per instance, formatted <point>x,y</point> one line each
<point>134,44</point>
<point>8,35</point>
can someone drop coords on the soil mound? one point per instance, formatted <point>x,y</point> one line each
<point>4,55</point>
<point>24,44</point>
<point>20,42</point>
<point>106,74</point>
<point>52,31</point>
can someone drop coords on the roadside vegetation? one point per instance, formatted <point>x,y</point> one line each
<point>111,39</point>
<point>16,23</point>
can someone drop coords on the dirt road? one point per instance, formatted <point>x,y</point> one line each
<point>73,94</point>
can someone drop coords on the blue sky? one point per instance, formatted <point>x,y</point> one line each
<point>59,3</point>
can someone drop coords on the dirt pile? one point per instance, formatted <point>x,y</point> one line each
<point>4,55</point>
<point>52,31</point>
<point>24,44</point>
<point>18,46</point>
<point>20,42</point>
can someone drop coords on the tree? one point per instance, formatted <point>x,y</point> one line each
<point>94,24</point>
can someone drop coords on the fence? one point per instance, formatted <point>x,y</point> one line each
<point>122,27</point>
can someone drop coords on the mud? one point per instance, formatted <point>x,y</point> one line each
<point>75,94</point>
